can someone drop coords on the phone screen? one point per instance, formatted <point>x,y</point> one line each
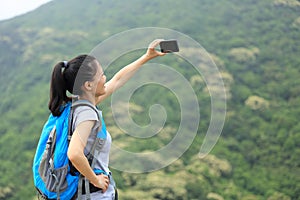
<point>169,46</point>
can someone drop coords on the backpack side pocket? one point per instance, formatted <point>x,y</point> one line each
<point>56,179</point>
<point>47,157</point>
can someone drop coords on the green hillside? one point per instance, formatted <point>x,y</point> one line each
<point>255,44</point>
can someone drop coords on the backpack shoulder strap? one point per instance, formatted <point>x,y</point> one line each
<point>73,106</point>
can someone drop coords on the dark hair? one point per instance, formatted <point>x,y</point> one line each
<point>70,76</point>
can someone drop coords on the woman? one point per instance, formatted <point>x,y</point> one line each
<point>84,77</point>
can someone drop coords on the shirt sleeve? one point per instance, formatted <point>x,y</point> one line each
<point>82,114</point>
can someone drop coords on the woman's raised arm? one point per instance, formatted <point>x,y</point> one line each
<point>122,76</point>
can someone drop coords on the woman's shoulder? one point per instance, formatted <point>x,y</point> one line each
<point>87,112</point>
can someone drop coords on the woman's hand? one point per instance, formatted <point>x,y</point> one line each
<point>152,52</point>
<point>103,182</point>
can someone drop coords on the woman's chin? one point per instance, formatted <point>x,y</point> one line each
<point>101,93</point>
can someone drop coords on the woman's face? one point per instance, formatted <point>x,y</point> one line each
<point>99,80</point>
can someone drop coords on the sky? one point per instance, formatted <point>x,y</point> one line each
<point>12,8</point>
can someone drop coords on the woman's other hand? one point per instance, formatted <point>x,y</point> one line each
<point>103,182</point>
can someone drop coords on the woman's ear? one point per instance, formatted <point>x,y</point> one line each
<point>88,85</point>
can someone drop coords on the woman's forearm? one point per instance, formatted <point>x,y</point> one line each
<point>80,162</point>
<point>76,150</point>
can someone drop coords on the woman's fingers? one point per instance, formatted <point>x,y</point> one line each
<point>152,53</point>
<point>154,43</point>
<point>103,182</point>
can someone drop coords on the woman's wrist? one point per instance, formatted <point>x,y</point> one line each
<point>99,183</point>
<point>145,58</point>
<point>96,182</point>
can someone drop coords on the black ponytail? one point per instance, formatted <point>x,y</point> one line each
<point>58,89</point>
<point>66,77</point>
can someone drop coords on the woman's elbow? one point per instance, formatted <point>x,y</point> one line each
<point>73,155</point>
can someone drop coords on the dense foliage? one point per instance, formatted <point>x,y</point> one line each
<point>256,45</point>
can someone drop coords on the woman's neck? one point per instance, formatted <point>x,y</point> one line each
<point>88,97</point>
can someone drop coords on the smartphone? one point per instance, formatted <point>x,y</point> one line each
<point>169,46</point>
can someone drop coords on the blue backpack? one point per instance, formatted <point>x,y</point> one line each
<point>52,172</point>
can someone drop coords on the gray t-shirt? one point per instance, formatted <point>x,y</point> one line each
<point>86,113</point>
